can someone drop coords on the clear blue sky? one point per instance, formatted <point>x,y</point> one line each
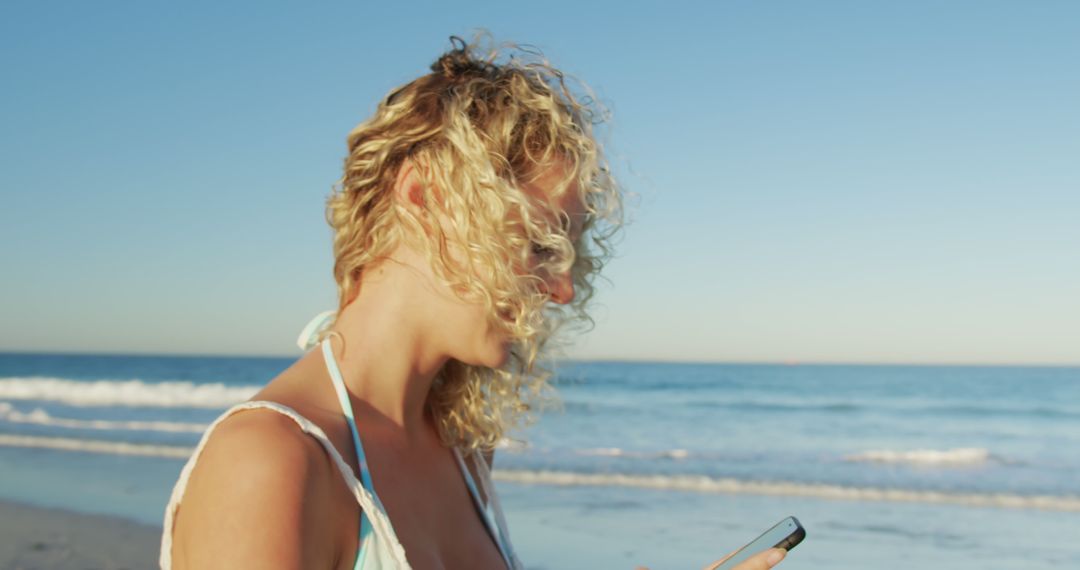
<point>817,181</point>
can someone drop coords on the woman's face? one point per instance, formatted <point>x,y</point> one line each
<point>490,343</point>
<point>567,212</point>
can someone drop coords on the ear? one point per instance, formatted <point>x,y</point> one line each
<point>411,193</point>
<point>409,188</point>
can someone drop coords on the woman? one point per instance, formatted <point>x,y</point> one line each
<point>473,214</point>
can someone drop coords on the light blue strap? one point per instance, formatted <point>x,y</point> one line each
<point>361,459</point>
<point>311,332</point>
<point>485,512</point>
<point>346,408</point>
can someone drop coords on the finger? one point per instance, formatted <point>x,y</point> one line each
<point>761,561</point>
<point>714,565</point>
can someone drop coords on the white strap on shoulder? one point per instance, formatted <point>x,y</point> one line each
<point>384,532</point>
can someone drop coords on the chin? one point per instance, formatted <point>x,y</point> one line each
<point>498,356</point>
<point>493,353</point>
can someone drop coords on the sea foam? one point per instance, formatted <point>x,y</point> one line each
<point>703,484</point>
<point>131,393</point>
<point>618,452</point>
<point>948,457</point>
<point>40,417</point>
<point>95,446</point>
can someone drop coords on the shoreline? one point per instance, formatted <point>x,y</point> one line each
<point>33,537</point>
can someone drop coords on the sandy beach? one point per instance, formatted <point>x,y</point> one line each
<point>33,538</point>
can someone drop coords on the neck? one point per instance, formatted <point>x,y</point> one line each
<point>386,360</point>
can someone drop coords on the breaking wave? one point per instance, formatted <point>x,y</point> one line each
<point>96,446</point>
<point>963,456</point>
<point>702,484</point>
<point>617,452</point>
<point>40,417</point>
<point>131,393</point>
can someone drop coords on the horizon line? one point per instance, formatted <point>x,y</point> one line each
<point>589,360</point>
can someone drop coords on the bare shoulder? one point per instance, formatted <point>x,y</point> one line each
<point>265,444</point>
<point>261,445</point>
<point>255,497</point>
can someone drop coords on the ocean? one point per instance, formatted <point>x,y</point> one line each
<point>656,464</point>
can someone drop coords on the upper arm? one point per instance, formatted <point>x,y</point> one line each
<point>250,497</point>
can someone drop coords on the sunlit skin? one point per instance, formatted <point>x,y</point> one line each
<point>263,495</point>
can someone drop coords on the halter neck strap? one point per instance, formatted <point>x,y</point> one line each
<point>309,336</point>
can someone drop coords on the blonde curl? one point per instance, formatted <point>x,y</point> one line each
<point>479,127</point>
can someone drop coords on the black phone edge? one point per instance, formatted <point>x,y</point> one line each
<point>792,540</point>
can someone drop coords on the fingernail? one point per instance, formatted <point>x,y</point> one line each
<point>776,556</point>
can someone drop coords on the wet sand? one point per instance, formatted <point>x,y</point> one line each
<point>34,538</point>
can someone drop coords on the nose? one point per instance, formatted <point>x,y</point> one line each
<point>560,288</point>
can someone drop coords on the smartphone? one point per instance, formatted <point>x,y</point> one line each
<point>786,534</point>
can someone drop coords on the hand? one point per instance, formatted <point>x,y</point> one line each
<point>760,561</point>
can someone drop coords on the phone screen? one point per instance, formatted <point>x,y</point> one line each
<point>786,534</point>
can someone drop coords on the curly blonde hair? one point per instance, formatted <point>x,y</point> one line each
<point>478,127</point>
